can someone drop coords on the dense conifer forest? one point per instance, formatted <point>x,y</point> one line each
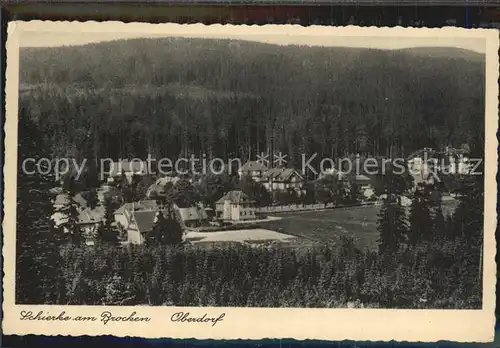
<point>171,97</point>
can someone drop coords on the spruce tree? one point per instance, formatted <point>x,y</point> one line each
<point>158,234</point>
<point>469,215</point>
<point>166,230</point>
<point>174,229</point>
<point>91,198</point>
<point>71,214</point>
<point>438,220</point>
<point>37,246</point>
<point>392,226</point>
<point>420,228</point>
<point>106,232</point>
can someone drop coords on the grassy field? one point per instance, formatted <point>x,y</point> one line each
<point>329,225</point>
<point>359,223</point>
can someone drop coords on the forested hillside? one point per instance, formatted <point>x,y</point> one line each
<point>226,98</point>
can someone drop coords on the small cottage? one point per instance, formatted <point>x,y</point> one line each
<point>194,216</point>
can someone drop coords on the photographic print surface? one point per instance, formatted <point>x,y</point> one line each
<point>229,167</point>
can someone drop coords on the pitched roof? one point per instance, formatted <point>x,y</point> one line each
<point>155,190</point>
<point>420,153</point>
<point>252,166</point>
<point>332,171</point>
<point>192,213</point>
<point>235,196</point>
<point>87,215</point>
<point>144,220</point>
<point>63,199</point>
<point>281,174</point>
<point>139,167</point>
<point>167,179</point>
<point>362,178</point>
<point>147,204</point>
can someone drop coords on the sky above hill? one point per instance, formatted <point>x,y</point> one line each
<point>53,39</point>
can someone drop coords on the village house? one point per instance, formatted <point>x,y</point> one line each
<point>62,200</point>
<point>140,224</point>
<point>190,217</point>
<point>88,220</point>
<point>235,206</point>
<point>123,215</point>
<point>332,171</point>
<point>274,179</point>
<point>455,161</point>
<point>282,179</point>
<point>160,188</point>
<point>363,181</point>
<point>422,161</point>
<point>127,168</point>
<point>253,169</point>
<point>136,219</point>
<point>365,185</point>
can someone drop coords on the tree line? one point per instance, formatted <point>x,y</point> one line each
<point>177,97</point>
<point>435,270</point>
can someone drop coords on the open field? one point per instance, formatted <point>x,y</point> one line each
<point>359,223</point>
<point>329,225</point>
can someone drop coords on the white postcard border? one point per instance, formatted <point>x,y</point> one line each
<point>258,323</point>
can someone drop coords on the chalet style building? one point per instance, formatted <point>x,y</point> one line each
<point>235,206</point>
<point>273,179</point>
<point>282,179</point>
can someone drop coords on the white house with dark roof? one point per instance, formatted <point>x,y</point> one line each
<point>282,179</point>
<point>253,169</point>
<point>235,206</point>
<point>141,223</point>
<point>123,215</point>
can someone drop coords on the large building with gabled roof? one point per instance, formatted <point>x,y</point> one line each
<point>235,206</point>
<point>253,169</point>
<point>282,179</point>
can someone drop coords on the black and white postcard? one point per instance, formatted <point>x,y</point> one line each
<point>278,181</point>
